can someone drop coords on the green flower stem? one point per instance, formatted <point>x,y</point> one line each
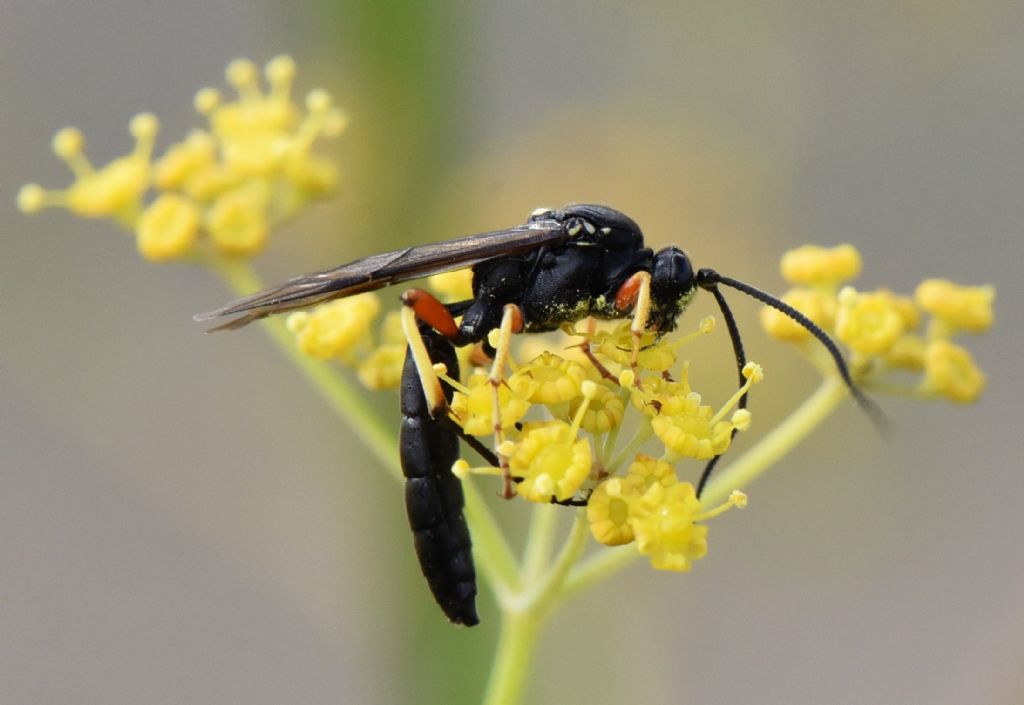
<point>522,617</point>
<point>494,557</point>
<point>542,595</point>
<point>516,647</point>
<point>344,398</point>
<point>783,438</point>
<point>491,551</point>
<point>539,542</point>
<point>642,435</point>
<point>737,475</point>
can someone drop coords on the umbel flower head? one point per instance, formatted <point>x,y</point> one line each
<point>883,330</point>
<point>562,414</point>
<point>219,191</point>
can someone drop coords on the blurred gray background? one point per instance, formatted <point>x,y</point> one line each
<point>183,521</point>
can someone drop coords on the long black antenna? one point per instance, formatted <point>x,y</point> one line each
<point>708,278</point>
<point>741,362</point>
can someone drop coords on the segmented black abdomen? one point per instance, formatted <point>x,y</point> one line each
<point>433,495</point>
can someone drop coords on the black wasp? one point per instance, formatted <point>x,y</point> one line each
<point>559,267</point>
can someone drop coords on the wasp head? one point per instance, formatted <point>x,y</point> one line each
<point>672,286</point>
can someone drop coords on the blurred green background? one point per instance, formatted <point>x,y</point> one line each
<point>183,521</point>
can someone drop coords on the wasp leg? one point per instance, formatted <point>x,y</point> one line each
<point>635,293</point>
<point>417,306</point>
<point>428,447</point>
<point>573,502</point>
<point>589,354</point>
<point>483,451</point>
<point>511,322</point>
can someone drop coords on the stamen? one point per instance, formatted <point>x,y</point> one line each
<point>754,374</point>
<point>736,499</point>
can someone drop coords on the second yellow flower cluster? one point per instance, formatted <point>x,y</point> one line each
<point>220,190</point>
<point>883,330</point>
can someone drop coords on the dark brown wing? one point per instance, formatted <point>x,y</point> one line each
<point>377,271</point>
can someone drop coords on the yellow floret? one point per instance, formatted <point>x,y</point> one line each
<point>656,355</point>
<point>382,368</point>
<point>237,221</point>
<point>183,160</point>
<point>167,229</point>
<point>870,323</point>
<point>685,427</point>
<point>690,429</point>
<point>474,406</point>
<point>391,329</point>
<point>652,471</point>
<point>453,286</point>
<point>556,379</point>
<point>605,412</point>
<point>951,372</point>
<point>551,461</point>
<point>608,509</point>
<point>332,329</point>
<point>663,520</point>
<point>967,308</point>
<point>907,353</point>
<point>817,305</point>
<point>812,265</point>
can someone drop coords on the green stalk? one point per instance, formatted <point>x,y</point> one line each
<point>523,615</point>
<point>783,438</point>
<point>539,542</point>
<point>516,647</point>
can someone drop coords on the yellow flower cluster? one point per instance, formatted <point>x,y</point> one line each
<point>343,331</point>
<point>883,330</point>
<point>651,506</point>
<point>561,416</point>
<point>220,190</point>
